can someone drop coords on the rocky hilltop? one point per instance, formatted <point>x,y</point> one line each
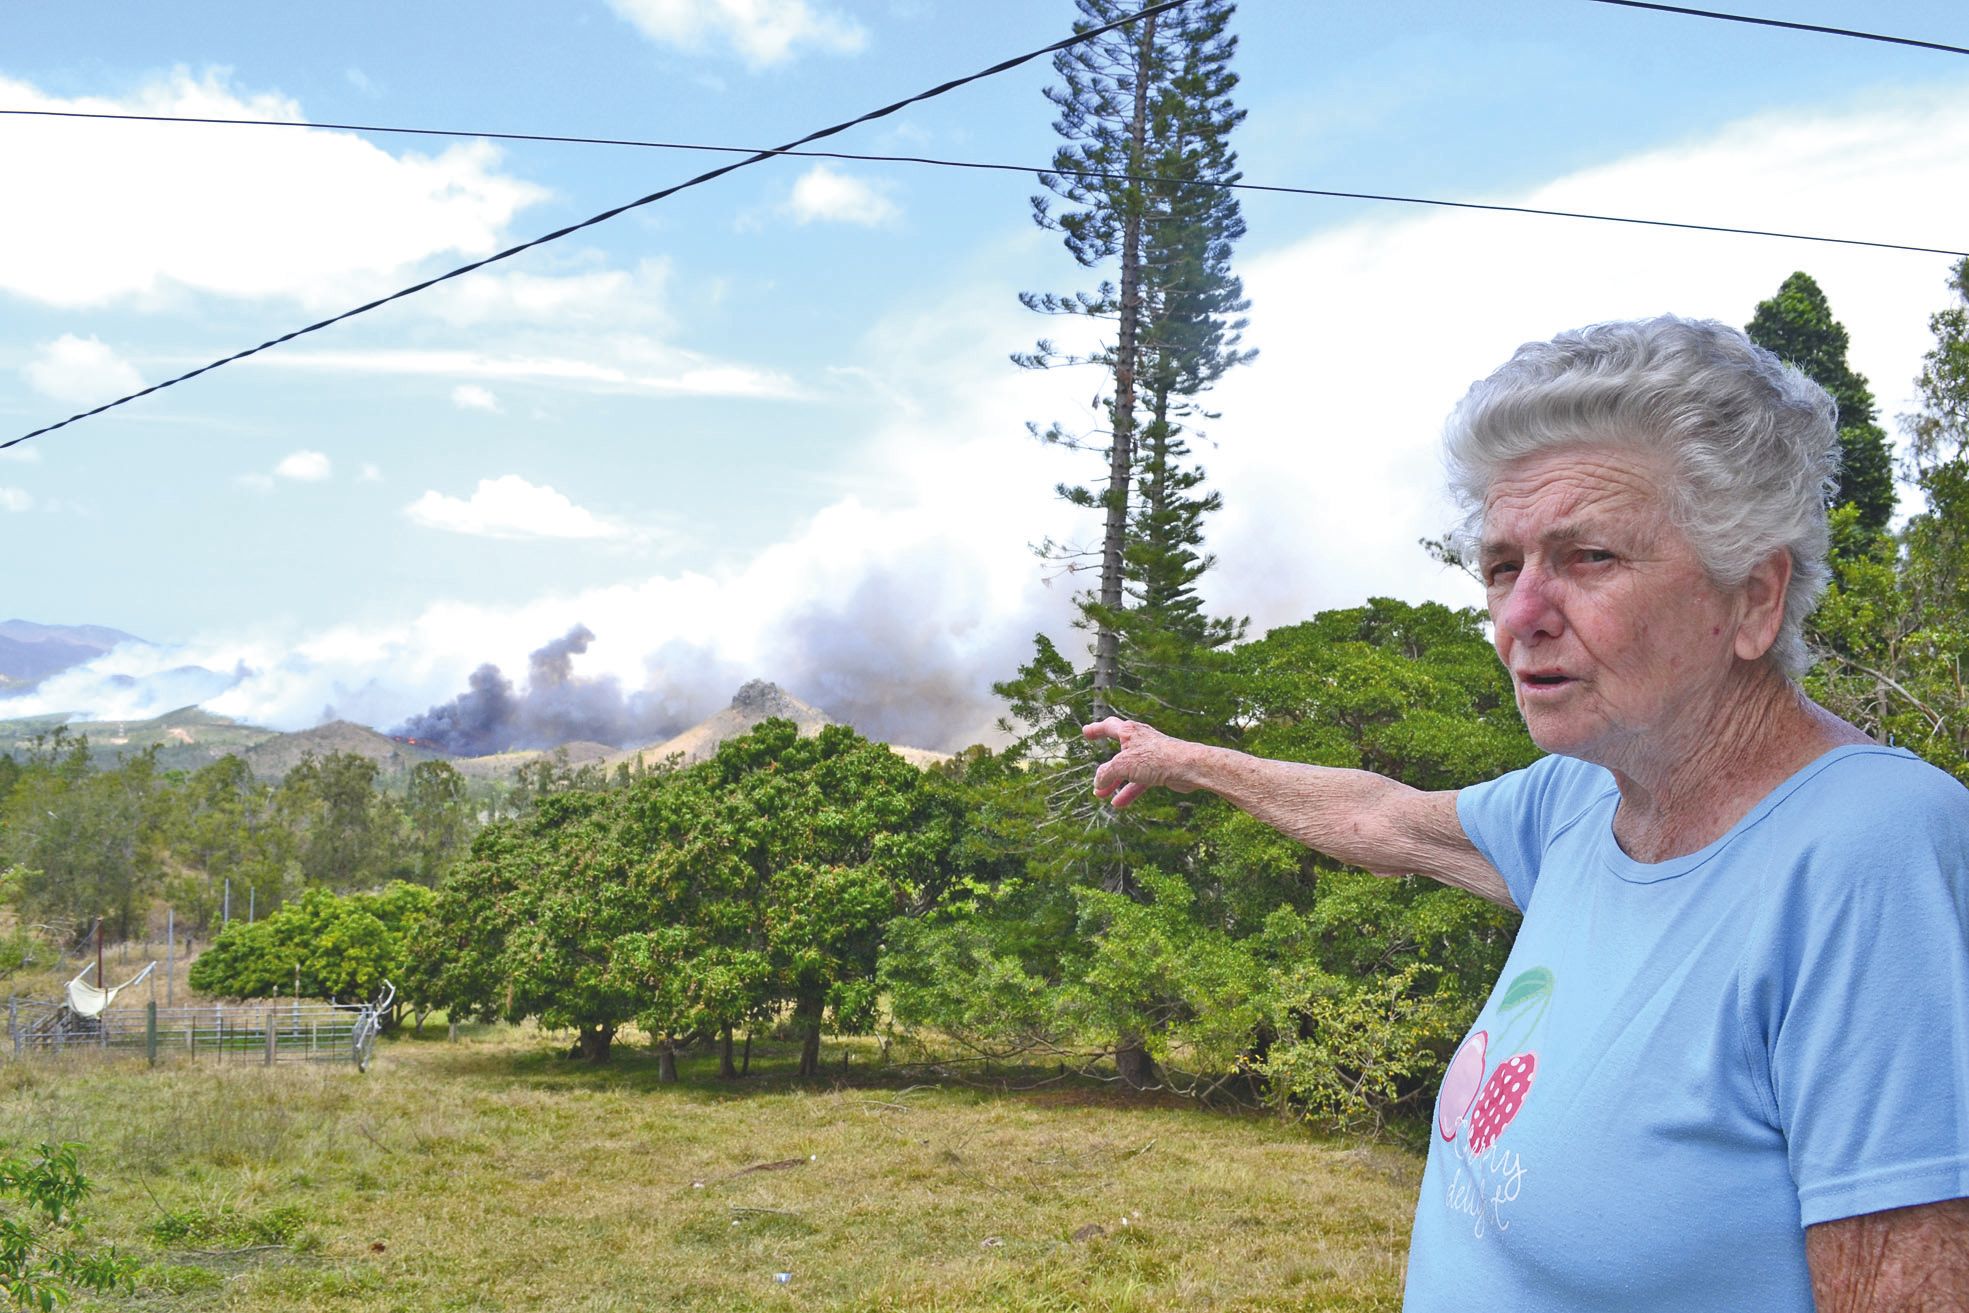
<point>756,701</point>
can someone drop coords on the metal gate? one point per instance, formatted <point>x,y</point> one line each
<point>294,1031</point>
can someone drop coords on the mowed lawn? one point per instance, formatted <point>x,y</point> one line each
<point>493,1174</point>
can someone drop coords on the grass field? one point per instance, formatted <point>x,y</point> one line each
<point>494,1174</point>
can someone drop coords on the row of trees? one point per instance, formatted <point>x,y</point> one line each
<point>78,842</point>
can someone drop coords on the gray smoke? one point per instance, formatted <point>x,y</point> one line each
<point>873,656</point>
<point>557,706</point>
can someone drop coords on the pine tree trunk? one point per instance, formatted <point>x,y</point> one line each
<point>666,1062</point>
<point>1121,454</point>
<point>726,1071</point>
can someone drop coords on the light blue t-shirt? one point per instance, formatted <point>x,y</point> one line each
<point>1686,1063</point>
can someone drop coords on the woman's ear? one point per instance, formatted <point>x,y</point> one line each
<point>1763,594</point>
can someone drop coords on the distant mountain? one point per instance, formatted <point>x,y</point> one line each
<point>191,737</point>
<point>30,652</point>
<point>755,702</point>
<point>186,739</point>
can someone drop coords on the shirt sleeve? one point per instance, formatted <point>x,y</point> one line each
<point>1863,1013</point>
<point>1513,818</point>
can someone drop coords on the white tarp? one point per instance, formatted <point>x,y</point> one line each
<point>86,1000</point>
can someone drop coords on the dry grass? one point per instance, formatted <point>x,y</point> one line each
<point>493,1174</point>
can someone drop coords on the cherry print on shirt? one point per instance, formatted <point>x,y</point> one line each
<point>1460,1084</point>
<point>1503,1095</point>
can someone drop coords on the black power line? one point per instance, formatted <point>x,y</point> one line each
<point>1779,22</point>
<point>756,157</point>
<point>938,162</point>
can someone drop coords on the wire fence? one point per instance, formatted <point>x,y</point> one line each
<point>266,1033</point>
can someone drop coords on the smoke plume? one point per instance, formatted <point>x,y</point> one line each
<point>556,707</point>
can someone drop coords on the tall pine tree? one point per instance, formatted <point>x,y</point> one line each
<point>1146,114</point>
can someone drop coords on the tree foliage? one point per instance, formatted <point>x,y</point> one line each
<point>752,885</point>
<point>322,945</point>
<point>1797,326</point>
<point>44,1258</point>
<point>1247,963</point>
<point>81,838</point>
<point>1893,628</point>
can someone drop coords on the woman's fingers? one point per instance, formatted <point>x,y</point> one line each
<point>1114,727</point>
<point>1115,776</point>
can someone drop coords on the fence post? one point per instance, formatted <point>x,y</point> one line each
<point>150,1031</point>
<point>272,1020</point>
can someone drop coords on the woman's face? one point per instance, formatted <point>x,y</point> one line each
<point>1618,644</point>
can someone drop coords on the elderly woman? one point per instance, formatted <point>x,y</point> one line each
<point>1727,1064</point>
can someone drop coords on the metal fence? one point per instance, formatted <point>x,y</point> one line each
<point>294,1031</point>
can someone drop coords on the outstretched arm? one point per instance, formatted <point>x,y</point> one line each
<point>1354,816</point>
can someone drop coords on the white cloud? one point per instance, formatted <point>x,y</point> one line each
<point>825,195</point>
<point>304,467</point>
<point>604,298</point>
<point>470,396</point>
<point>370,474</point>
<point>322,216</point>
<point>761,32</point>
<point>641,366</point>
<point>510,507</point>
<point>79,370</point>
<point>15,499</point>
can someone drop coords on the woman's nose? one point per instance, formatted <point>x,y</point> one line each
<point>1530,610</point>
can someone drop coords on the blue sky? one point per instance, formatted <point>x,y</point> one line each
<point>769,427</point>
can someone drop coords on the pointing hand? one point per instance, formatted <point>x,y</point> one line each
<point>1148,758</point>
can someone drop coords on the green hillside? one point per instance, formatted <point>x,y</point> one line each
<point>186,739</point>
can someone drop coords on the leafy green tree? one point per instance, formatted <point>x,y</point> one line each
<point>217,830</point>
<point>83,837</point>
<point>322,944</point>
<point>755,884</point>
<point>439,816</point>
<point>529,923</point>
<point>346,832</point>
<point>43,1255</point>
<point>1892,629</point>
<point>802,852</point>
<point>1797,326</point>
